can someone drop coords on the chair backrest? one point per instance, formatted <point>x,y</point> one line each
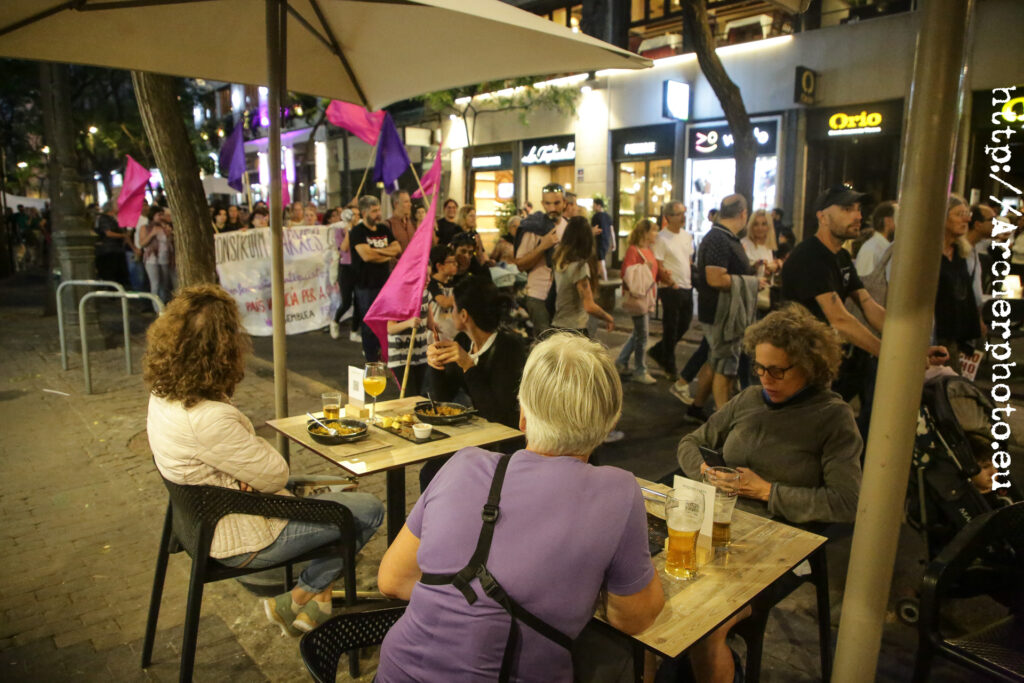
<point>196,510</point>
<point>987,556</point>
<point>322,647</point>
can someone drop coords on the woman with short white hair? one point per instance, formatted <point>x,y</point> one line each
<point>562,531</point>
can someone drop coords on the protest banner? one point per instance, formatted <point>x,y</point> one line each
<point>310,276</point>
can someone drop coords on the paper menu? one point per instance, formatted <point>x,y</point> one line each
<point>356,394</point>
<point>708,491</point>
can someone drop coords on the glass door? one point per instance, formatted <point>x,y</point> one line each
<point>643,186</point>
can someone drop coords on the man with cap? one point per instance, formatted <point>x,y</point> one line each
<point>820,274</point>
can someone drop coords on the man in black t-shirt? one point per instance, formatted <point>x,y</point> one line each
<point>820,274</point>
<point>374,249</point>
<point>447,227</point>
<point>719,258</point>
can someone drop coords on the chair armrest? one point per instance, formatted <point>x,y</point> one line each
<point>228,502</point>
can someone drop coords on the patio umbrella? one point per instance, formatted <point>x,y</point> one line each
<point>372,52</point>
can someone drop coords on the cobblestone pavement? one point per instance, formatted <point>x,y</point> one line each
<point>83,507</point>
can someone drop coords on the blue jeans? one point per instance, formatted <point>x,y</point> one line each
<point>637,345</point>
<point>371,345</point>
<point>301,537</point>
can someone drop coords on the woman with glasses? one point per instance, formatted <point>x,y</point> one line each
<point>957,318</point>
<point>793,440</point>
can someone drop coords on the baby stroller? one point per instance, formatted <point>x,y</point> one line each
<point>941,498</point>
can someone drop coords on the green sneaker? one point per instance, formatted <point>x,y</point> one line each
<point>310,617</point>
<point>279,611</point>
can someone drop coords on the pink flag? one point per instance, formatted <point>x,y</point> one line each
<point>133,193</point>
<point>431,181</point>
<point>402,294</point>
<point>364,124</point>
<point>286,197</point>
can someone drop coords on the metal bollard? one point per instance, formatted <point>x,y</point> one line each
<point>123,296</point>
<point>60,310</point>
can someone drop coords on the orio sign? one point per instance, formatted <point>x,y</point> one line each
<point>863,123</point>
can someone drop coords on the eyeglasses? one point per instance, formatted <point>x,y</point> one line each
<point>772,371</point>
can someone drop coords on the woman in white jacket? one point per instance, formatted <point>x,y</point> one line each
<point>195,357</point>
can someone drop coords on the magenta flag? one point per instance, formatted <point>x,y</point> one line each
<point>402,294</point>
<point>286,197</point>
<point>431,181</point>
<point>133,193</point>
<point>364,124</point>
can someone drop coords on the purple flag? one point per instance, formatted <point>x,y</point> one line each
<point>232,158</point>
<point>391,157</point>
<point>402,294</point>
<point>133,193</point>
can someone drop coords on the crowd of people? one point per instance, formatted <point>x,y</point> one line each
<point>790,336</point>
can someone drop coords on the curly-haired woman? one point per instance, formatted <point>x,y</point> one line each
<point>794,441</point>
<point>195,357</point>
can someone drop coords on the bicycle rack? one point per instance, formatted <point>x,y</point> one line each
<point>124,296</point>
<point>81,321</point>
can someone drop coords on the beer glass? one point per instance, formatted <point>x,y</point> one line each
<point>726,481</point>
<point>375,379</point>
<point>331,401</point>
<point>684,513</point>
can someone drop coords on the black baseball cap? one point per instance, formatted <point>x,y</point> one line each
<point>841,195</point>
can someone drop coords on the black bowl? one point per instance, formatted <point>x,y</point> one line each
<point>339,438</point>
<point>442,419</point>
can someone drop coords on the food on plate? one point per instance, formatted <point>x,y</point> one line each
<point>442,411</point>
<point>340,429</point>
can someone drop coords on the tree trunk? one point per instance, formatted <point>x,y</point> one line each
<point>157,96</point>
<point>695,21</point>
<point>73,240</point>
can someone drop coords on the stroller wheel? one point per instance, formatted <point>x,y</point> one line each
<point>907,611</point>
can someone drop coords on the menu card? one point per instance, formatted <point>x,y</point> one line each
<point>356,395</point>
<point>708,491</point>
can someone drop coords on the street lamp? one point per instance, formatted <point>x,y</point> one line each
<point>93,130</point>
<point>45,150</point>
<point>22,164</point>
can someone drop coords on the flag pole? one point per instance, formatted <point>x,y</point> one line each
<point>412,167</point>
<point>248,190</point>
<point>408,362</point>
<point>366,171</point>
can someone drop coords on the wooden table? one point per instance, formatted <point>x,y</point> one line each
<point>762,550</point>
<point>382,451</point>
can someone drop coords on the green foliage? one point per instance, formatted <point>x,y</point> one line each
<point>503,213</point>
<point>523,97</point>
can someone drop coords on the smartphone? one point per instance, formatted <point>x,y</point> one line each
<point>712,457</point>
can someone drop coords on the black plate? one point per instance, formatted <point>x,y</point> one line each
<point>466,413</point>
<point>340,438</point>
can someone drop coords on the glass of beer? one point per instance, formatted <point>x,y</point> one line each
<point>375,379</point>
<point>331,401</point>
<point>684,513</point>
<point>726,481</point>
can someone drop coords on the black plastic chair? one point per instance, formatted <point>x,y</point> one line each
<point>322,647</point>
<point>192,516</point>
<point>991,547</point>
<point>752,628</point>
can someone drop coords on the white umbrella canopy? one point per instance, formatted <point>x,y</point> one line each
<point>369,52</point>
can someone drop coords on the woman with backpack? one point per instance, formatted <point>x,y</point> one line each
<point>639,273</point>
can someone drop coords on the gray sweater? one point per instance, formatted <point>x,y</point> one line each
<point>808,449</point>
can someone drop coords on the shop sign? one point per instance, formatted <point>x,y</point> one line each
<point>806,86</point>
<point>640,148</point>
<point>863,123</point>
<point>548,154</point>
<point>855,120</point>
<point>716,142</point>
<point>489,161</point>
<point>675,100</point>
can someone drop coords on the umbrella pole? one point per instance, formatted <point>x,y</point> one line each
<point>276,55</point>
<point>924,183</point>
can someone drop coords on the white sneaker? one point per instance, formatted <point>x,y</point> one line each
<point>355,337</point>
<point>613,436</point>
<point>644,379</point>
<point>335,330</point>
<point>681,390</point>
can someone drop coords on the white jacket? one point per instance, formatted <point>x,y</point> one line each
<point>213,443</point>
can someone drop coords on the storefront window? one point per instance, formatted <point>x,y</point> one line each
<point>636,11</point>
<point>491,189</point>
<point>712,180</point>
<point>644,187</point>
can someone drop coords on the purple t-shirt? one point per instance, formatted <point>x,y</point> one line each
<point>565,528</point>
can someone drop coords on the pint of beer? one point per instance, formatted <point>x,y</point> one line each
<point>726,483</point>
<point>331,402</point>
<point>684,513</point>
